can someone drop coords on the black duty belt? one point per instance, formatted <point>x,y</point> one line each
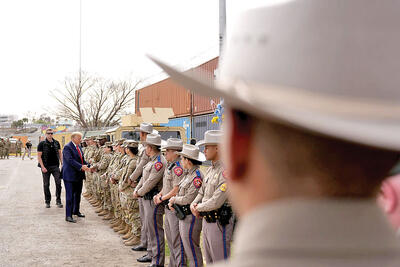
<point>149,195</point>
<point>222,215</point>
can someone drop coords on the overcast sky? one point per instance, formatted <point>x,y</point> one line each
<point>39,44</point>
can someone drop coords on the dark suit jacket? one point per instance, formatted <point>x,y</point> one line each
<point>71,170</point>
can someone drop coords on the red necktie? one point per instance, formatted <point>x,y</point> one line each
<point>80,155</point>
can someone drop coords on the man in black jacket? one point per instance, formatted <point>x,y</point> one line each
<point>49,157</point>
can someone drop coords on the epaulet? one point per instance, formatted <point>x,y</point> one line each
<point>178,169</point>
<point>158,165</point>
<point>197,181</point>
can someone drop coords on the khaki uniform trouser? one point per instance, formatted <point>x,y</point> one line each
<point>171,228</point>
<point>217,241</point>
<point>189,230</point>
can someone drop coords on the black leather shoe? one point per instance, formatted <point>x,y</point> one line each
<point>80,215</point>
<point>59,205</point>
<point>47,205</point>
<point>139,248</point>
<point>69,219</point>
<point>145,258</point>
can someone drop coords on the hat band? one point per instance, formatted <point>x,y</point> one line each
<point>292,97</point>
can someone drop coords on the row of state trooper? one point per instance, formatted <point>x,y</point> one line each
<point>192,202</point>
<point>5,146</point>
<point>133,185</point>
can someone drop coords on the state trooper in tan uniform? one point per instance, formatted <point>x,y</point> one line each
<point>211,203</point>
<point>143,159</point>
<point>189,225</point>
<point>311,93</point>
<point>173,175</point>
<point>148,187</point>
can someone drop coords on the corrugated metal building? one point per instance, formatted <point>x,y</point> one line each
<point>192,111</point>
<point>167,94</point>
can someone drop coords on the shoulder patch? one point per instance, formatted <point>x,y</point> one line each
<point>197,182</point>
<point>223,187</point>
<point>158,166</point>
<point>178,171</point>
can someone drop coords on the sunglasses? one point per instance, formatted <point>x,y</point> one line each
<point>49,133</point>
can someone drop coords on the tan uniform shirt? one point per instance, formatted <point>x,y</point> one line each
<point>189,186</point>
<point>153,173</point>
<point>173,175</point>
<point>131,166</point>
<point>142,160</point>
<point>212,194</point>
<point>311,233</point>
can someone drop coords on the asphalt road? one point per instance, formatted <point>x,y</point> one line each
<point>31,235</point>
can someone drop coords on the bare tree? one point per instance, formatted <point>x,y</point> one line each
<point>94,102</point>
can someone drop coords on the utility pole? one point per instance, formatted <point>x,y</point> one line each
<point>222,24</point>
<point>80,43</point>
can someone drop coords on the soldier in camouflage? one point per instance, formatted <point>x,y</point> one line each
<point>119,224</point>
<point>2,148</point>
<point>100,168</point>
<point>130,206</point>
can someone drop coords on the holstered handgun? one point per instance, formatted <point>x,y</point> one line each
<point>179,212</point>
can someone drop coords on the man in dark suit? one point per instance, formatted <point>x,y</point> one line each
<point>73,172</point>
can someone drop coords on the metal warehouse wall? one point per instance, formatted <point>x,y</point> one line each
<point>164,94</point>
<point>168,94</point>
<point>202,104</point>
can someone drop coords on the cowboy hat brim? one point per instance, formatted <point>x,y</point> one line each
<point>359,121</point>
<point>200,158</point>
<point>204,143</point>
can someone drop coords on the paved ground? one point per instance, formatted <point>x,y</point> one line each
<point>31,235</point>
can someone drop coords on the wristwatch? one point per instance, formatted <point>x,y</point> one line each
<point>161,198</point>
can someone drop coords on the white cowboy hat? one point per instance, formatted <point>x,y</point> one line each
<point>211,137</point>
<point>192,152</point>
<point>146,128</point>
<point>153,139</point>
<point>173,143</point>
<point>325,66</point>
